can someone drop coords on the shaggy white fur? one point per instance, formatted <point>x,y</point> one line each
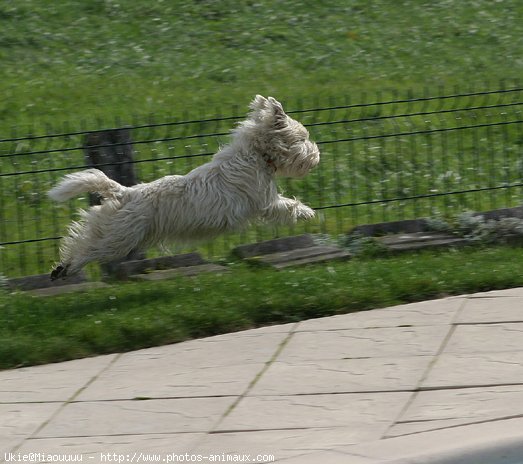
<point>235,188</point>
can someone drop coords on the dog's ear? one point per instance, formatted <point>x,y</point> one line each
<point>280,118</point>
<point>258,104</point>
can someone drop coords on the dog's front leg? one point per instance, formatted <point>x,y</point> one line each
<point>287,210</point>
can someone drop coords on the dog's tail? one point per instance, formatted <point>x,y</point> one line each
<point>90,180</point>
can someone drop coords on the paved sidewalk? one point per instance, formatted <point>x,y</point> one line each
<point>388,385</point>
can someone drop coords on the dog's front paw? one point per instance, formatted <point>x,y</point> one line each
<point>304,212</point>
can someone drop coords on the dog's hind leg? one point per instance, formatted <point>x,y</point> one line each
<point>104,250</point>
<point>103,234</point>
<point>59,272</point>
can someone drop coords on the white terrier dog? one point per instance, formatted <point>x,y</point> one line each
<point>235,188</point>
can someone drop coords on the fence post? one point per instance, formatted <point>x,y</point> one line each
<point>111,152</point>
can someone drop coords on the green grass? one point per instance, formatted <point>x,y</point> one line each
<point>73,59</point>
<point>129,316</point>
<point>81,64</point>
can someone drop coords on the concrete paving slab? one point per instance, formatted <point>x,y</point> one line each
<point>19,421</point>
<point>342,376</point>
<point>251,346</point>
<point>215,366</point>
<point>433,312</point>
<point>364,343</point>
<point>470,370</point>
<point>485,338</point>
<point>283,443</point>
<point>487,443</point>
<point>438,409</point>
<point>368,414</point>
<point>51,382</point>
<point>341,389</point>
<point>167,380</point>
<point>277,328</point>
<point>95,448</point>
<point>220,350</point>
<point>492,309</point>
<point>136,417</point>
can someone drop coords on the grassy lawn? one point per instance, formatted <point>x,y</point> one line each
<point>130,316</point>
<point>90,64</point>
<point>81,59</point>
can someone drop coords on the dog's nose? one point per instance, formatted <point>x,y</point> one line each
<point>315,153</point>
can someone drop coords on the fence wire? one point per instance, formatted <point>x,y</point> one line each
<point>383,158</point>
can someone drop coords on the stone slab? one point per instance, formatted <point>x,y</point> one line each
<point>474,370</point>
<point>392,227</point>
<point>432,312</point>
<point>438,409</point>
<point>19,421</point>
<point>342,376</point>
<point>50,382</point>
<point>188,271</point>
<point>432,244</point>
<point>215,366</point>
<point>410,226</point>
<point>43,281</point>
<point>501,213</point>
<point>302,256</point>
<point>289,251</point>
<point>274,246</point>
<point>486,338</point>
<point>335,256</point>
<point>420,240</point>
<point>416,237</point>
<point>364,343</point>
<point>71,288</point>
<point>136,417</point>
<point>125,269</point>
<point>370,412</point>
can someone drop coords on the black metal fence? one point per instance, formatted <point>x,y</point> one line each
<point>387,156</point>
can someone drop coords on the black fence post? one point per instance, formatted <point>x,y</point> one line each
<point>111,152</point>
